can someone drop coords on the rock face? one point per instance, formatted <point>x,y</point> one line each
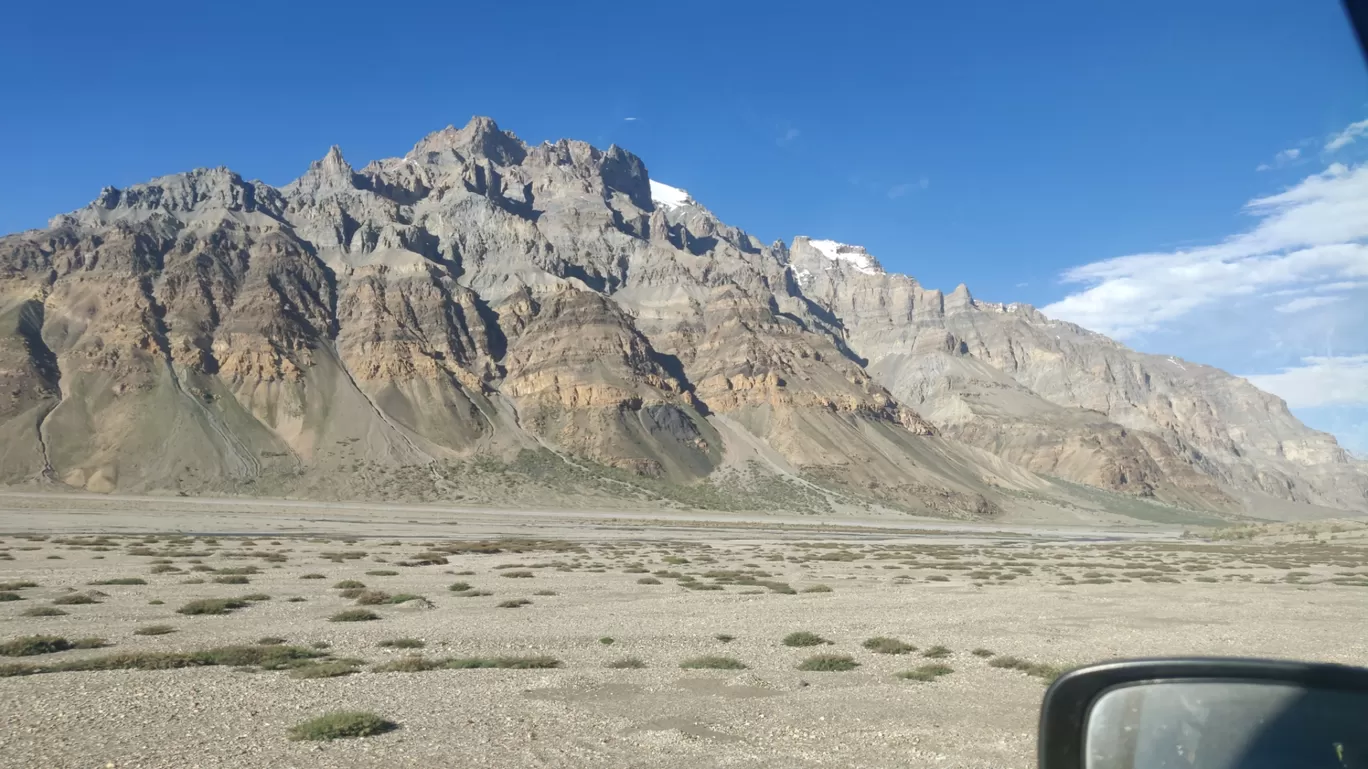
<point>480,297</point>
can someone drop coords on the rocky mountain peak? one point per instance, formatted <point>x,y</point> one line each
<point>480,297</point>
<point>480,138</point>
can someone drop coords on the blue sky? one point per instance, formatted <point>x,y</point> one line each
<point>1020,151</point>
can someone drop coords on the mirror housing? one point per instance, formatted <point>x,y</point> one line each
<point>1069,702</point>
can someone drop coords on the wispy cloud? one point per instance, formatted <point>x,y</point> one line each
<point>898,190</point>
<point>1319,381</point>
<point>629,119</point>
<point>1313,233</point>
<point>1281,159</point>
<point>1346,137</point>
<point>788,136</point>
<point>1304,303</point>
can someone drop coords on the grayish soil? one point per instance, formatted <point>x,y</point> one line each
<point>1073,600</point>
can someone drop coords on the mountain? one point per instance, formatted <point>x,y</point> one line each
<point>428,321</point>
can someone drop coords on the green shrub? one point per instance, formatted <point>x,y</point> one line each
<point>382,573</point>
<point>154,630</point>
<point>626,663</point>
<point>517,574</point>
<point>982,652</point>
<point>712,663</point>
<point>648,581</point>
<point>354,615</point>
<point>926,672</point>
<point>42,611</point>
<point>936,652</point>
<point>120,581</point>
<point>342,724</point>
<point>17,585</point>
<point>349,584</point>
<point>28,646</point>
<point>333,669</point>
<point>724,638</point>
<point>514,603</point>
<point>606,641</point>
<point>886,645</point>
<point>1047,673</point>
<point>829,663</point>
<point>459,587</point>
<point>401,643</point>
<point>75,599</point>
<point>232,579</point>
<point>312,576</point>
<point>817,589</point>
<point>212,606</point>
<point>270,640</point>
<point>804,638</point>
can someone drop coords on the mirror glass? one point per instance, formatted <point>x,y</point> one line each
<point>1226,725</point>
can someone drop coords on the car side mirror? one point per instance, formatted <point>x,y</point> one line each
<point>1206,714</point>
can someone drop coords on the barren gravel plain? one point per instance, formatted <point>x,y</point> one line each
<point>177,633</point>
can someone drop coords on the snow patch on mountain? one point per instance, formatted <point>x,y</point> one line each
<point>667,197</point>
<point>844,252</point>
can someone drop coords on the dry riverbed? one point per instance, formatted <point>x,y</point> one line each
<point>575,645</point>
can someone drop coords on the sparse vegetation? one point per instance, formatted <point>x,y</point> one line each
<point>331,669</point>
<point>804,638</point>
<point>936,652</point>
<point>627,663</point>
<point>154,630</point>
<point>349,584</point>
<point>725,638</point>
<point>263,657</point>
<point>712,663</point>
<point>515,603</point>
<point>120,581</point>
<point>342,724</point>
<point>212,606</point>
<point>354,615</point>
<point>42,611</point>
<point>829,663</point>
<point>1047,673</point>
<point>983,652</point>
<point>886,645</point>
<point>28,646</point>
<point>75,599</point>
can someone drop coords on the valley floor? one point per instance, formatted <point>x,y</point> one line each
<point>1001,608</point>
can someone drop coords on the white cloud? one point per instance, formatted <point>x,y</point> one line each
<point>1311,233</point>
<point>898,190</point>
<point>629,119</point>
<point>1307,303</point>
<point>1281,159</point>
<point>1319,381</point>
<point>1347,136</point>
<point>924,182</point>
<point>788,135</point>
